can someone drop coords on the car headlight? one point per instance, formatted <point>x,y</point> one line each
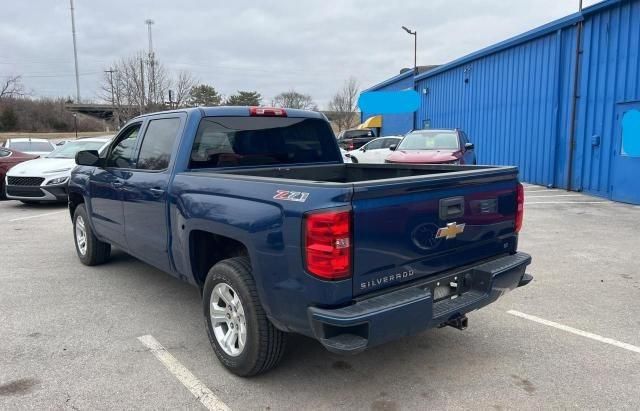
<point>58,180</point>
<point>60,170</point>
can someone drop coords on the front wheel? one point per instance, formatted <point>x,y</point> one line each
<point>90,250</point>
<point>242,337</point>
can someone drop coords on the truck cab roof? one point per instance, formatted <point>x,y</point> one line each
<point>238,111</point>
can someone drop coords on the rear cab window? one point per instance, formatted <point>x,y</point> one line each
<point>262,141</point>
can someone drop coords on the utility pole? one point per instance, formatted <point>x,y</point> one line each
<point>116,112</point>
<point>152,79</point>
<point>75,52</point>
<point>142,102</point>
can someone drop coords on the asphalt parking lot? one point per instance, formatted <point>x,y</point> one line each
<point>570,339</point>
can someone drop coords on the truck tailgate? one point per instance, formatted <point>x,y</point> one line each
<point>414,229</point>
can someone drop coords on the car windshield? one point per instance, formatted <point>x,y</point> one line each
<point>430,140</point>
<point>32,146</point>
<point>70,149</point>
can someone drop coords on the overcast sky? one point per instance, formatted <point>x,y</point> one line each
<point>268,46</point>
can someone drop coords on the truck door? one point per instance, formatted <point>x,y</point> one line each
<point>145,193</point>
<point>106,183</point>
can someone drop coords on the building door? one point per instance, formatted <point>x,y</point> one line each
<point>625,172</point>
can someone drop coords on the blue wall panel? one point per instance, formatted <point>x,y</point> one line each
<point>509,104</point>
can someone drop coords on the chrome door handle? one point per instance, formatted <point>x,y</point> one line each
<point>156,192</point>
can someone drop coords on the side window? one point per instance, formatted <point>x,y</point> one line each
<point>157,144</point>
<point>388,142</point>
<point>374,145</point>
<point>463,138</point>
<point>121,155</point>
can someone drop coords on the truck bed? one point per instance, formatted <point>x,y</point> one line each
<point>365,174</point>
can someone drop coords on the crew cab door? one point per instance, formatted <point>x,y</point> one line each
<point>106,184</point>
<point>145,192</point>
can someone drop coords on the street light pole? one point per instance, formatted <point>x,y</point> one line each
<point>75,123</point>
<point>414,33</point>
<point>75,52</point>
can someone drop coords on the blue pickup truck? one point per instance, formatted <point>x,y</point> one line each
<point>255,207</point>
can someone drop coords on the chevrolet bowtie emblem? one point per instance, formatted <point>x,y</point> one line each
<point>450,231</point>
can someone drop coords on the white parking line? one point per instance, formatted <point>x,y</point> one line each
<point>36,216</point>
<point>575,331</point>
<point>554,195</point>
<point>197,388</point>
<point>564,202</point>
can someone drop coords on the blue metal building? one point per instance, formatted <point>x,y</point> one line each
<point>562,101</point>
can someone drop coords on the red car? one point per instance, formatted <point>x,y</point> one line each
<point>8,159</point>
<point>445,146</point>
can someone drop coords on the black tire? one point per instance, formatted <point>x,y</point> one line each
<point>97,252</point>
<point>3,191</point>
<point>265,344</point>
<point>354,160</point>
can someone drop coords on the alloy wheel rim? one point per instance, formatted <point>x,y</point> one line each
<point>228,320</point>
<point>81,235</point>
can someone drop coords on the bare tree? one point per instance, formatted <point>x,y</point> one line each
<point>182,87</point>
<point>11,86</point>
<point>125,85</point>
<point>293,99</point>
<point>344,104</point>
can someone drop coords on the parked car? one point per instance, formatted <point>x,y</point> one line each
<point>355,138</point>
<point>8,159</point>
<point>444,146</point>
<point>37,146</point>
<point>255,207</point>
<point>45,179</point>
<point>345,156</point>
<point>375,151</point>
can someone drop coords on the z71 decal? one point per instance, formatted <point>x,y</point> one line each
<point>291,196</point>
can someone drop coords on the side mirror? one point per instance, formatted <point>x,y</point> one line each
<point>363,149</point>
<point>469,146</point>
<point>393,147</point>
<point>88,158</point>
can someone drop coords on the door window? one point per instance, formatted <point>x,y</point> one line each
<point>374,145</point>
<point>157,145</point>
<point>631,133</point>
<point>121,155</point>
<point>388,142</point>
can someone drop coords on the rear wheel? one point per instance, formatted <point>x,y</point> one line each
<point>242,337</point>
<point>3,194</point>
<point>90,250</point>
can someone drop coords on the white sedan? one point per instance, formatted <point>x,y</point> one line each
<point>35,146</point>
<point>375,151</point>
<point>46,178</point>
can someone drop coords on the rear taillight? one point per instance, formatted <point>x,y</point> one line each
<point>327,244</point>
<point>267,112</point>
<point>519,206</point>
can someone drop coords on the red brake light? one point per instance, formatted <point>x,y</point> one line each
<point>267,112</point>
<point>327,247</point>
<point>520,207</point>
